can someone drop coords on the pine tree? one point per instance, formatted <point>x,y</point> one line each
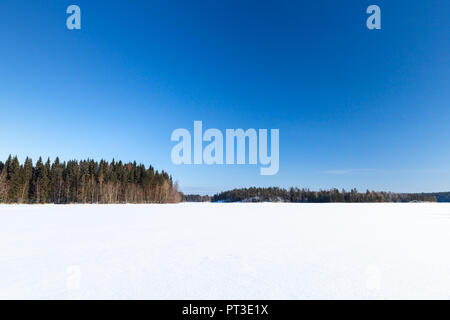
<point>3,183</point>
<point>26,177</point>
<point>13,175</point>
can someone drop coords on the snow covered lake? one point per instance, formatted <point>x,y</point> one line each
<point>225,251</point>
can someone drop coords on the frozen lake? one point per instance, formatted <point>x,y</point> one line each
<point>225,251</point>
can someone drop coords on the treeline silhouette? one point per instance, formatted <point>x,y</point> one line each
<point>440,196</point>
<point>197,198</point>
<point>84,181</point>
<point>275,194</point>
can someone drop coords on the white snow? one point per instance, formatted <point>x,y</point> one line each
<point>225,251</point>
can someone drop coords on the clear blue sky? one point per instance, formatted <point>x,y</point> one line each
<point>355,107</point>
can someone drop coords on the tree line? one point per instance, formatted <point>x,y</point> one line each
<point>197,198</point>
<point>275,194</point>
<point>86,181</point>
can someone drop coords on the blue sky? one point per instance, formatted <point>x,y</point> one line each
<point>355,107</point>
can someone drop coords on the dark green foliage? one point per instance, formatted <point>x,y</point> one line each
<point>13,176</point>
<point>196,198</point>
<point>84,182</point>
<point>305,195</point>
<point>440,196</point>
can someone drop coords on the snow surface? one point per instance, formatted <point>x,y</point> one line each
<point>225,251</point>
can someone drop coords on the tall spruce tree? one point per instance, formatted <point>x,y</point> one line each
<point>13,175</point>
<point>26,177</point>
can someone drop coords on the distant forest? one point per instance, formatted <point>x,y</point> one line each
<point>89,181</point>
<point>85,181</point>
<point>197,198</point>
<point>307,196</point>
